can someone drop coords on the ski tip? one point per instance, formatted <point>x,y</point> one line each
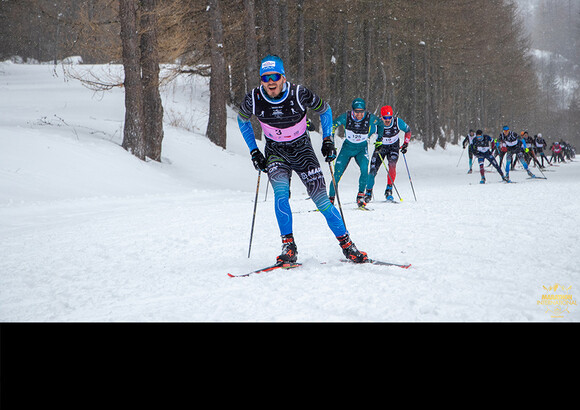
<point>267,269</point>
<point>238,276</point>
<point>290,265</point>
<point>377,262</point>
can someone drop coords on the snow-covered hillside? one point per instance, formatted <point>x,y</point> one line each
<point>90,233</point>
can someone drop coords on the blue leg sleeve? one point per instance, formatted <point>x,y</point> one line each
<point>333,219</point>
<point>522,160</point>
<point>280,181</point>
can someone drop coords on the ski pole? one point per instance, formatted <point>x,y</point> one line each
<point>389,176</point>
<point>537,163</point>
<point>408,173</point>
<point>461,156</point>
<point>266,196</point>
<point>540,169</point>
<point>254,217</point>
<point>336,192</point>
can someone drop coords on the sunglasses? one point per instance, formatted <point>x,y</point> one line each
<point>359,111</point>
<point>274,77</point>
<point>387,117</point>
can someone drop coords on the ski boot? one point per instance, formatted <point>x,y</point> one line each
<point>531,174</point>
<point>350,250</point>
<point>389,193</point>
<point>360,200</point>
<point>289,251</point>
<point>368,195</point>
<point>470,171</point>
<point>482,180</point>
<point>506,178</point>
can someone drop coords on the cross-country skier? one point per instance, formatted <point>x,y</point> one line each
<point>515,146</point>
<point>530,153</point>
<point>482,149</point>
<point>467,142</point>
<point>567,150</point>
<point>540,145</point>
<point>359,125</point>
<point>387,149</point>
<point>501,149</point>
<point>281,107</point>
<point>557,152</point>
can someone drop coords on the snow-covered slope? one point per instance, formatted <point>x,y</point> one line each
<point>89,233</point>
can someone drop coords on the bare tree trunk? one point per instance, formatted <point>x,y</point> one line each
<point>300,45</point>
<point>273,25</point>
<point>428,137</point>
<point>368,51</point>
<point>252,57</point>
<point>251,46</point>
<point>284,43</point>
<point>133,132</point>
<point>218,85</point>
<point>392,96</point>
<point>152,106</point>
<point>414,84</point>
<point>345,64</point>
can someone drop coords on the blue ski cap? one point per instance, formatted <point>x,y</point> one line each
<point>272,64</point>
<point>505,128</point>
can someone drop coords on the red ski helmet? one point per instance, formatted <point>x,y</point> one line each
<point>387,111</point>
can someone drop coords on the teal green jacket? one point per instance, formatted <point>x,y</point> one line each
<point>358,131</point>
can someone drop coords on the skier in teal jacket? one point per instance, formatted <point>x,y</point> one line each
<point>359,125</point>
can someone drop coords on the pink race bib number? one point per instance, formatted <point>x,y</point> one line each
<point>284,134</point>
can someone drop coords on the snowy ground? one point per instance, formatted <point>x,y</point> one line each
<point>89,233</point>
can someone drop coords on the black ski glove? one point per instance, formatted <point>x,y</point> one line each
<point>328,149</point>
<point>258,160</point>
<point>404,148</point>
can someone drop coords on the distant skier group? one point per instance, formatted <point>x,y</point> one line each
<point>513,147</point>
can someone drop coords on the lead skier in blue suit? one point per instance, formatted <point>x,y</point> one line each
<point>281,108</point>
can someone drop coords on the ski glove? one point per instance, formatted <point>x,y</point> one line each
<point>404,148</point>
<point>328,149</point>
<point>258,160</point>
<point>378,144</point>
